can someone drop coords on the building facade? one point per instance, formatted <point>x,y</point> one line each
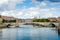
<point>27,20</point>
<point>58,19</point>
<point>52,19</point>
<point>17,19</point>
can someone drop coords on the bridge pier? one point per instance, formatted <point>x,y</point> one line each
<point>59,31</point>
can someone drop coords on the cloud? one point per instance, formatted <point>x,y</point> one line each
<point>35,11</point>
<point>3,1</point>
<point>31,12</point>
<point>47,12</point>
<point>7,13</point>
<point>43,4</point>
<point>9,4</point>
<point>8,8</point>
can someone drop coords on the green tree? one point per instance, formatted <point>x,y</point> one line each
<point>41,20</point>
<point>12,20</point>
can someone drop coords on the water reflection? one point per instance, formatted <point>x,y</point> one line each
<point>30,34</point>
<point>29,26</point>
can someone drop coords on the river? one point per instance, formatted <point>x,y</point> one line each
<point>29,32</point>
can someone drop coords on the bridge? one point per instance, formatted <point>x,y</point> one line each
<point>46,24</point>
<point>35,23</point>
<point>43,24</point>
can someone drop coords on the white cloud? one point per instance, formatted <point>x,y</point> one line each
<point>33,11</point>
<point>30,12</point>
<point>20,13</point>
<point>47,12</point>
<point>9,4</point>
<point>3,1</point>
<point>12,3</point>
<point>26,12</point>
<point>7,13</point>
<point>43,4</point>
<point>16,1</point>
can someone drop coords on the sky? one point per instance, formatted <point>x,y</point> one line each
<point>30,8</point>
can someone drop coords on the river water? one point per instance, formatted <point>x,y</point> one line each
<point>29,32</point>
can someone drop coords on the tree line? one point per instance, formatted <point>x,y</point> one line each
<point>42,20</point>
<point>8,21</point>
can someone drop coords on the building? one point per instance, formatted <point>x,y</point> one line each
<point>58,19</point>
<point>52,19</point>
<point>12,18</point>
<point>7,18</point>
<point>28,20</point>
<point>20,20</point>
<point>55,19</point>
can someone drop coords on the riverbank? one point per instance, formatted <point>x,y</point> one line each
<point>2,26</point>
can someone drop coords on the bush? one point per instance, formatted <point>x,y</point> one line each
<point>41,20</point>
<point>8,21</point>
<point>12,20</point>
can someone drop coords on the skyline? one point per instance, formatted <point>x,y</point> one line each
<point>30,8</point>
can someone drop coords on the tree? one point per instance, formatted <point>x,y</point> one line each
<point>41,20</point>
<point>12,20</point>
